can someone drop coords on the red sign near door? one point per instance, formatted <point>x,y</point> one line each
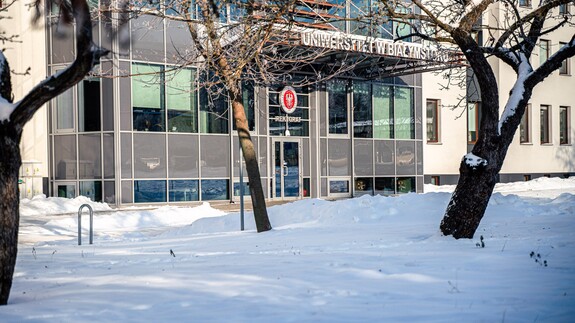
<point>288,99</point>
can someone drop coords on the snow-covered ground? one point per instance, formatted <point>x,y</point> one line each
<point>368,259</point>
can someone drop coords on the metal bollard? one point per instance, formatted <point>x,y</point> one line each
<point>80,223</point>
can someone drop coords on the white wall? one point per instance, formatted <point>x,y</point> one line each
<point>534,157</point>
<point>29,52</point>
<point>443,158</point>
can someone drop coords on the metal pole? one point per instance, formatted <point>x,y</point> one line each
<point>80,223</point>
<point>241,189</point>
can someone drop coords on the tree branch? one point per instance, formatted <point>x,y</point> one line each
<point>87,56</point>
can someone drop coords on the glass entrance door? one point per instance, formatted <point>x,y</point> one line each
<point>286,168</point>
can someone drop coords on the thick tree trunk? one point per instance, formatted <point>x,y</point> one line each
<point>252,167</point>
<point>469,200</point>
<point>10,162</point>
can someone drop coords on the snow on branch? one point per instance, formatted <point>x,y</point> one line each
<point>523,72</point>
<point>6,107</point>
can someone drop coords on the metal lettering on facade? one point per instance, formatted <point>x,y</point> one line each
<point>378,46</point>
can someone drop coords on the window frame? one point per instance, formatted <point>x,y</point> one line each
<point>477,109</point>
<point>347,110</point>
<point>564,125</point>
<point>545,127</point>
<point>165,75</point>
<point>435,121</point>
<point>527,117</point>
<point>544,50</point>
<point>565,68</point>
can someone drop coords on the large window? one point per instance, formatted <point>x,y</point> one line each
<point>545,121</point>
<point>543,51</point>
<point>158,96</point>
<point>183,190</point>
<point>432,120</point>
<point>148,97</point>
<point>215,189</point>
<point>337,106</point>
<point>362,110</point>
<point>213,109</point>
<point>383,127</point>
<point>386,112</point>
<point>64,110</point>
<point>149,191</point>
<point>89,106</point>
<point>473,118</point>
<point>404,118</point>
<point>564,125</point>
<point>181,101</point>
<point>524,126</point>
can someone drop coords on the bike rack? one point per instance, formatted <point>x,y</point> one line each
<point>80,223</point>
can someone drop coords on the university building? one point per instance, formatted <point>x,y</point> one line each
<point>158,138</point>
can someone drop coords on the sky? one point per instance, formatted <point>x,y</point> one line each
<point>366,259</point>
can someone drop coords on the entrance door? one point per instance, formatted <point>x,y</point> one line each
<point>287,179</point>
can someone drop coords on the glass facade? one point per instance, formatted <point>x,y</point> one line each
<point>165,134</point>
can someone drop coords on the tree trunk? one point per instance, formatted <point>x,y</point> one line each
<point>10,162</point>
<point>469,200</point>
<point>252,167</point>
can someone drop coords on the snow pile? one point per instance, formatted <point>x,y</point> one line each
<point>40,204</point>
<point>367,259</point>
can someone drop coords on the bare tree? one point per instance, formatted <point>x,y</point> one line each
<point>252,45</point>
<point>13,117</point>
<point>513,40</point>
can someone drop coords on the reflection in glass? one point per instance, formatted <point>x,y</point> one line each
<point>286,169</point>
<point>215,189</point>
<point>215,160</point>
<point>362,110</point>
<point>65,110</point>
<point>405,184</point>
<point>337,106</point>
<point>181,101</point>
<point>148,97</point>
<point>363,157</point>
<point>384,157</point>
<point>90,156</point>
<point>67,191</point>
<point>404,118</point>
<point>291,169</point>
<point>91,190</point>
<point>405,157</point>
<point>384,186</point>
<point>237,188</point>
<point>364,185</point>
<point>213,110</point>
<point>149,156</point>
<point>382,112</point>
<point>183,190</point>
<point>149,191</point>
<point>65,157</point>
<point>336,186</point>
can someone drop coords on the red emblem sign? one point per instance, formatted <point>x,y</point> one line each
<point>288,99</point>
